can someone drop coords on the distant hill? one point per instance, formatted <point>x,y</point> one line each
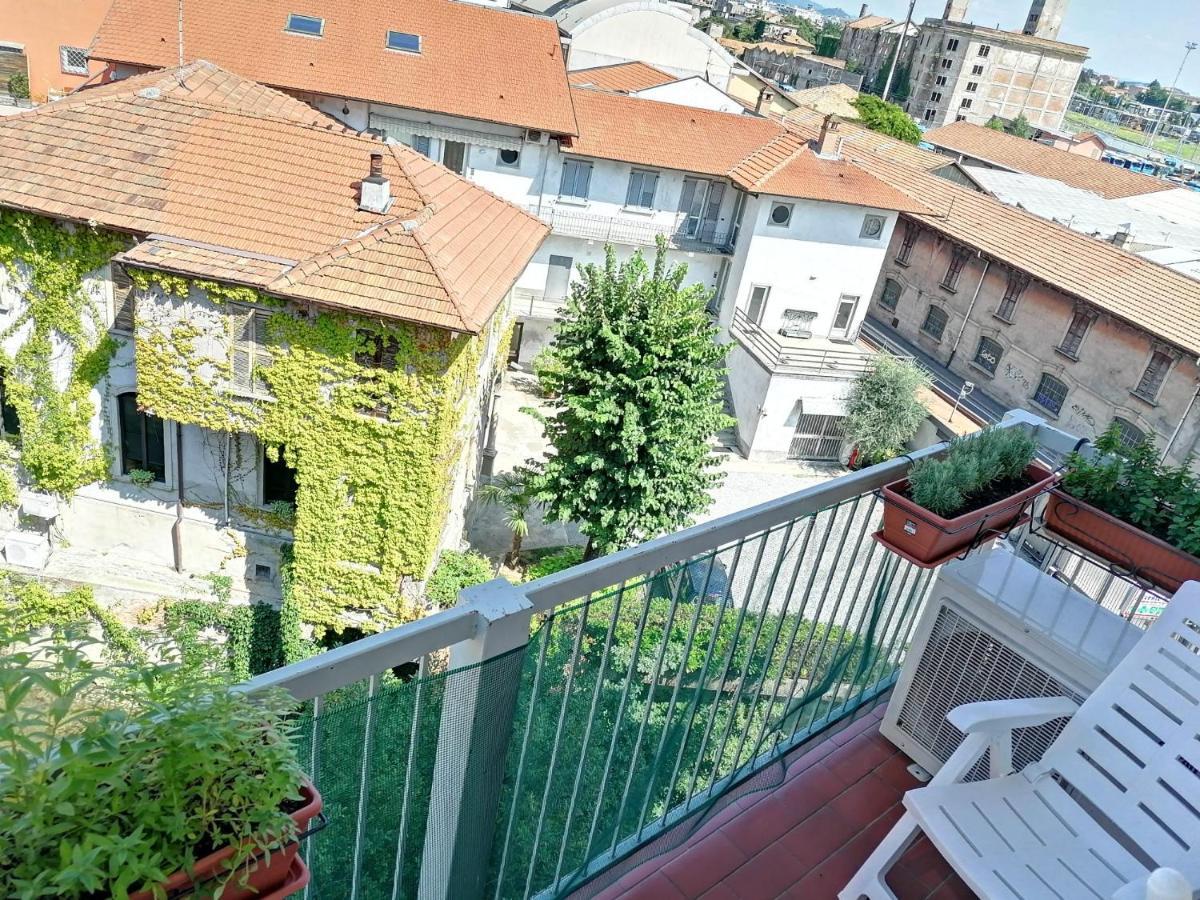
<point>832,12</point>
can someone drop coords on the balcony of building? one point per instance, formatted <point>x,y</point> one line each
<point>636,229</point>
<point>696,716</point>
<point>798,353</point>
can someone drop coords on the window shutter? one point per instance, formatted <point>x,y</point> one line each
<point>123,299</point>
<point>242,352</point>
<point>259,354</point>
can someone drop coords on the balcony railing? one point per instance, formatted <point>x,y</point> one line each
<point>790,359</point>
<point>554,727</point>
<point>617,229</point>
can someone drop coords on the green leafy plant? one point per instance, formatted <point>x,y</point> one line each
<point>18,86</point>
<point>973,465</point>
<point>883,411</point>
<point>550,563</point>
<point>1136,486</point>
<point>512,492</point>
<point>141,477</point>
<point>117,776</point>
<point>455,571</point>
<point>886,118</point>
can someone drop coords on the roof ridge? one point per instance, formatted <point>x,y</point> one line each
<point>451,294</point>
<point>782,135</point>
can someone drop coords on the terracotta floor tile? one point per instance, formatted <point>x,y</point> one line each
<point>895,772</point>
<point>754,829</point>
<point>656,887</point>
<point>953,888</point>
<point>704,865</point>
<point>809,791</point>
<point>720,892</point>
<point>765,876</point>
<point>866,799</point>
<point>819,836</point>
<point>852,761</point>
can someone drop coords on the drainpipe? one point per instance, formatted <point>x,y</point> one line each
<point>1178,428</point>
<point>177,528</point>
<point>970,309</point>
<point>228,449</point>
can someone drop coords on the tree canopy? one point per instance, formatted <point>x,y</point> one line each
<point>636,370</point>
<point>886,118</point>
<point>883,411</point>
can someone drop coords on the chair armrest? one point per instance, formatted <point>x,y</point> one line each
<point>998,716</point>
<point>1137,889</point>
<point>962,759</point>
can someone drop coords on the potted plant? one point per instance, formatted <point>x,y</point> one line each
<point>142,781</point>
<point>1127,506</point>
<point>978,489</point>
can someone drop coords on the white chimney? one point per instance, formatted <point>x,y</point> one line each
<point>765,96</point>
<point>375,192</point>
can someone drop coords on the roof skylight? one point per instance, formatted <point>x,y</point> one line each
<point>402,40</point>
<point>308,25</point>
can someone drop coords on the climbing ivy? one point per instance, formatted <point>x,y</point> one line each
<point>372,447</point>
<point>48,262</point>
<point>33,604</point>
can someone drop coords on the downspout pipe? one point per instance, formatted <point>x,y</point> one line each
<point>970,309</point>
<point>1179,427</point>
<point>177,528</point>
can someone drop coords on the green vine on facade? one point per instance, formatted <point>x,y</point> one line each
<point>48,263</point>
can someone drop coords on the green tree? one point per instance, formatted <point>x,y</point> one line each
<point>804,28</point>
<point>886,118</point>
<point>512,493</point>
<point>901,83</point>
<point>883,411</point>
<point>995,123</point>
<point>638,379</point>
<point>1020,127</point>
<point>1154,94</point>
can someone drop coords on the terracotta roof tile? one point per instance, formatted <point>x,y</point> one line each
<point>869,22</point>
<point>465,66</point>
<point>249,187</point>
<point>621,78</point>
<point>1033,158</point>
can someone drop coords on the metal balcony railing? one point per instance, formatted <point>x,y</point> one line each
<point>782,358</point>
<point>554,727</point>
<point>619,229</point>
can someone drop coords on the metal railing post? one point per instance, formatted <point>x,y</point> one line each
<point>476,726</point>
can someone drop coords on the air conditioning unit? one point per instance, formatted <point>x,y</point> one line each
<point>533,136</point>
<point>994,628</point>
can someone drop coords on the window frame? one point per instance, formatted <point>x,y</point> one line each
<point>1049,380</point>
<point>984,50</point>
<point>1124,427</point>
<point>844,332</point>
<point>119,280</point>
<point>935,97</point>
<point>977,69</point>
<point>964,103</point>
<point>951,45</point>
<point>883,295</point>
<point>576,166</point>
<point>252,320</point>
<point>290,28</point>
<point>903,255</point>
<point>1151,397</point>
<point>1077,330</point>
<point>753,316</point>
<point>263,462</point>
<point>940,81</point>
<point>142,418</point>
<point>989,343</point>
<point>972,87</point>
<point>1013,291</point>
<point>639,177</point>
<point>944,321</point>
<point>387,42</point>
<point>958,262</point>
<point>64,57</point>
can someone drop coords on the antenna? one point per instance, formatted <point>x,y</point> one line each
<point>181,32</point>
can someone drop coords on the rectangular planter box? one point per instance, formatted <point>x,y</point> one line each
<point>928,540</point>
<point>1126,546</point>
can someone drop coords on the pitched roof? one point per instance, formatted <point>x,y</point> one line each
<point>466,64</point>
<point>1033,158</point>
<point>756,154</point>
<point>869,22</point>
<point>808,121</point>
<point>623,78</point>
<point>226,179</point>
<point>1152,297</point>
<point>828,99</point>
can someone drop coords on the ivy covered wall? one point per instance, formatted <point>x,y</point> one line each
<point>371,415</point>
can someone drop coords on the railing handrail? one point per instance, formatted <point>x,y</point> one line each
<point>622,229</point>
<point>782,358</point>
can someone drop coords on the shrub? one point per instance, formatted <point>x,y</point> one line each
<point>971,466</point>
<point>1134,485</point>
<point>18,86</point>
<point>882,409</point>
<point>887,118</point>
<point>554,562</point>
<point>116,777</point>
<point>456,571</point>
<point>141,477</point>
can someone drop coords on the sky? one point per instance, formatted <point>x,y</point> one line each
<point>1133,41</point>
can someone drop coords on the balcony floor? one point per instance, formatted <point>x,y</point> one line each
<point>804,838</point>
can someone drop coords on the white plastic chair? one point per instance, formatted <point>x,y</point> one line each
<point>1116,796</point>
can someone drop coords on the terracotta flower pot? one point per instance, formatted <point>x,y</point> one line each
<point>1125,546</point>
<point>280,875</point>
<point>928,540</point>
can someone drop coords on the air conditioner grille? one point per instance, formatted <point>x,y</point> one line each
<point>961,664</point>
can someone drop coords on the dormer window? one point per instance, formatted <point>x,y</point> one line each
<point>404,42</point>
<point>310,26</point>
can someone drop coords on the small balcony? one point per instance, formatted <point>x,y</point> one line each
<point>800,355</point>
<point>621,229</point>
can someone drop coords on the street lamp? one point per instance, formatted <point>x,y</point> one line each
<point>1190,46</point>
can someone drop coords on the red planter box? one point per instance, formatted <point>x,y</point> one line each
<point>273,878</point>
<point>928,540</point>
<point>1125,546</point>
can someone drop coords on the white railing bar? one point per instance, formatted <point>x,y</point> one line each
<point>371,655</point>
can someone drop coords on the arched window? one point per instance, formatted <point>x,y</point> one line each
<point>987,355</point>
<point>141,439</point>
<point>1130,434</point>
<point>1050,394</point>
<point>935,322</point>
<point>891,294</point>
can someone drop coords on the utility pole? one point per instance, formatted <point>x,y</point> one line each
<point>887,85</point>
<point>1190,46</point>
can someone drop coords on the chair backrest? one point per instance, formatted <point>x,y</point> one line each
<point>1133,748</point>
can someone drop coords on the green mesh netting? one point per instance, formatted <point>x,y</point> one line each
<point>619,728</point>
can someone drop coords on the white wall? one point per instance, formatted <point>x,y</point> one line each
<point>695,92</point>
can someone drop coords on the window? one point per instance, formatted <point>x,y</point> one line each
<point>947,63</point>
<point>1050,394</point>
<point>249,354</point>
<point>1129,433</point>
<point>957,260</point>
<point>1017,282</point>
<point>984,49</point>
<point>404,42</point>
<point>758,303</point>
<point>278,478</point>
<point>935,97</point>
<point>558,277</point>
<point>935,322</point>
<point>377,352</point>
<point>454,156</point>
<point>642,185</point>
<point>306,25</point>
<point>960,118</point>
<point>781,214</point>
<point>142,444</point>
<point>422,144</point>
<point>940,81</point>
<point>987,355</point>
<point>844,317</point>
<point>576,176</point>
<point>508,158</point>
<point>965,103</point>
<point>8,413</point>
<point>911,232</point>
<point>123,298</point>
<point>891,294</point>
<point>73,60</point>
<point>951,45</point>
<point>929,114</point>
<point>977,69</point>
<point>972,87</point>
<point>1071,342</point>
<point>1154,376</point>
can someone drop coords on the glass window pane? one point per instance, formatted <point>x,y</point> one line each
<point>401,40</point>
<point>310,25</point>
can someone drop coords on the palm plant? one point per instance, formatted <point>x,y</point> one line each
<point>511,492</point>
